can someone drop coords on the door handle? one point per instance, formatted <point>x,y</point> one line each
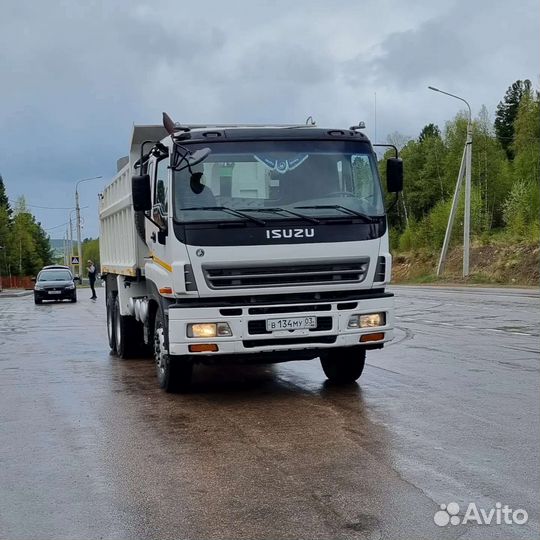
<point>153,237</point>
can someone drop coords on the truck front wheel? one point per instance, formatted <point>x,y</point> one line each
<point>344,366</point>
<point>173,373</point>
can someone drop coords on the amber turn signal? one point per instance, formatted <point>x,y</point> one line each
<point>166,290</point>
<point>377,336</point>
<point>203,347</point>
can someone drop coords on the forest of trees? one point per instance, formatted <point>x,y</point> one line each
<point>24,245</point>
<point>505,198</point>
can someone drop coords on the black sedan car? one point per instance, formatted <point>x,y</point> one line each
<point>55,283</point>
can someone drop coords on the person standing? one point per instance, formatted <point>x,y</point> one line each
<point>91,269</point>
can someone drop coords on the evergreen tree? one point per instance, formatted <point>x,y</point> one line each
<point>431,130</point>
<point>506,115</point>
<point>4,201</point>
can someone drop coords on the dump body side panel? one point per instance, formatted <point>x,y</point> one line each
<point>122,251</point>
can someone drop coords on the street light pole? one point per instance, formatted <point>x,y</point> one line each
<point>78,210</point>
<point>464,170</point>
<point>4,249</point>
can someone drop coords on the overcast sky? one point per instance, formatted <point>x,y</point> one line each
<point>76,75</point>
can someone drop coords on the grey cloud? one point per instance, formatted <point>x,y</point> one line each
<point>77,74</point>
<point>464,44</point>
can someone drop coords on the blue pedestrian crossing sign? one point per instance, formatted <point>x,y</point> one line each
<point>74,259</point>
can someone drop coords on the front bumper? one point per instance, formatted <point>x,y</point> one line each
<point>249,335</point>
<point>51,295</point>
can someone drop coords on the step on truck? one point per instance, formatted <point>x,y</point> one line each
<point>247,244</point>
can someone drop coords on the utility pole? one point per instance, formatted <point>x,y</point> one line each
<point>78,210</point>
<point>4,250</point>
<point>464,171</point>
<point>70,243</point>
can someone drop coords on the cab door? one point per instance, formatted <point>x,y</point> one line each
<point>157,231</point>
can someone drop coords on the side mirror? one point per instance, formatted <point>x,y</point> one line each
<point>33,279</point>
<point>394,175</point>
<point>141,193</point>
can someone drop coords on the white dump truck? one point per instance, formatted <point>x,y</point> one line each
<point>253,244</point>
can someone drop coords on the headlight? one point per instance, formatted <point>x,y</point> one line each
<point>72,286</point>
<point>209,330</point>
<point>368,320</point>
<point>38,288</point>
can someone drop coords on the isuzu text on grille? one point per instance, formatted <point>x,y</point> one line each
<point>290,233</point>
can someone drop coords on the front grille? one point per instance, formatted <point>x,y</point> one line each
<point>380,271</point>
<point>259,327</point>
<point>288,309</point>
<point>237,277</point>
<point>251,343</point>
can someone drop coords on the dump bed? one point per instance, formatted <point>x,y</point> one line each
<point>122,250</point>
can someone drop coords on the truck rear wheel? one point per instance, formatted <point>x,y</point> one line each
<point>173,373</point>
<point>110,322</point>
<point>344,366</point>
<point>127,333</point>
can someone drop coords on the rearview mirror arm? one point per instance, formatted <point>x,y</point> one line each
<point>389,146</point>
<point>158,225</point>
<point>393,203</point>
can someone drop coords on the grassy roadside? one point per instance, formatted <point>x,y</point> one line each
<point>498,263</point>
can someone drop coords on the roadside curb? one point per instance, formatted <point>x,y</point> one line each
<point>8,294</point>
<point>516,291</point>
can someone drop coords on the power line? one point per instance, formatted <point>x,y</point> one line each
<point>45,207</point>
<point>57,226</point>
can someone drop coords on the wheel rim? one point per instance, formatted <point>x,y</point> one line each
<point>118,332</point>
<point>160,353</point>
<point>109,324</point>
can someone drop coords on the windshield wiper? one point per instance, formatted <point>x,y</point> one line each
<point>226,209</point>
<point>276,210</point>
<point>344,209</point>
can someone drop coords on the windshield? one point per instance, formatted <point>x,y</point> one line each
<point>280,179</point>
<point>55,275</point>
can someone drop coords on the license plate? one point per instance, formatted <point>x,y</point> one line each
<point>55,292</point>
<point>291,323</point>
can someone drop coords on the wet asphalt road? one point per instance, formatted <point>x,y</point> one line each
<point>91,448</point>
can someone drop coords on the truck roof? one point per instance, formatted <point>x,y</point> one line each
<point>261,132</point>
<point>240,132</point>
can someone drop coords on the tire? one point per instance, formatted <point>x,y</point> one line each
<point>344,366</point>
<point>174,373</point>
<point>127,333</point>
<point>73,299</point>
<point>37,300</point>
<point>110,322</point>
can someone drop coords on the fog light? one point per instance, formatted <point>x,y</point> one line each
<point>208,330</point>
<point>368,320</point>
<point>223,329</point>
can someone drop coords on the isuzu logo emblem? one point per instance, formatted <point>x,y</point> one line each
<point>200,253</point>
<point>290,233</point>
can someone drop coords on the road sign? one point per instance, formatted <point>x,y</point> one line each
<point>74,259</point>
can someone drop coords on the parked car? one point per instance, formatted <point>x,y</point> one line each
<point>55,282</point>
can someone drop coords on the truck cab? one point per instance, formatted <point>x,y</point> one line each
<point>250,244</point>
